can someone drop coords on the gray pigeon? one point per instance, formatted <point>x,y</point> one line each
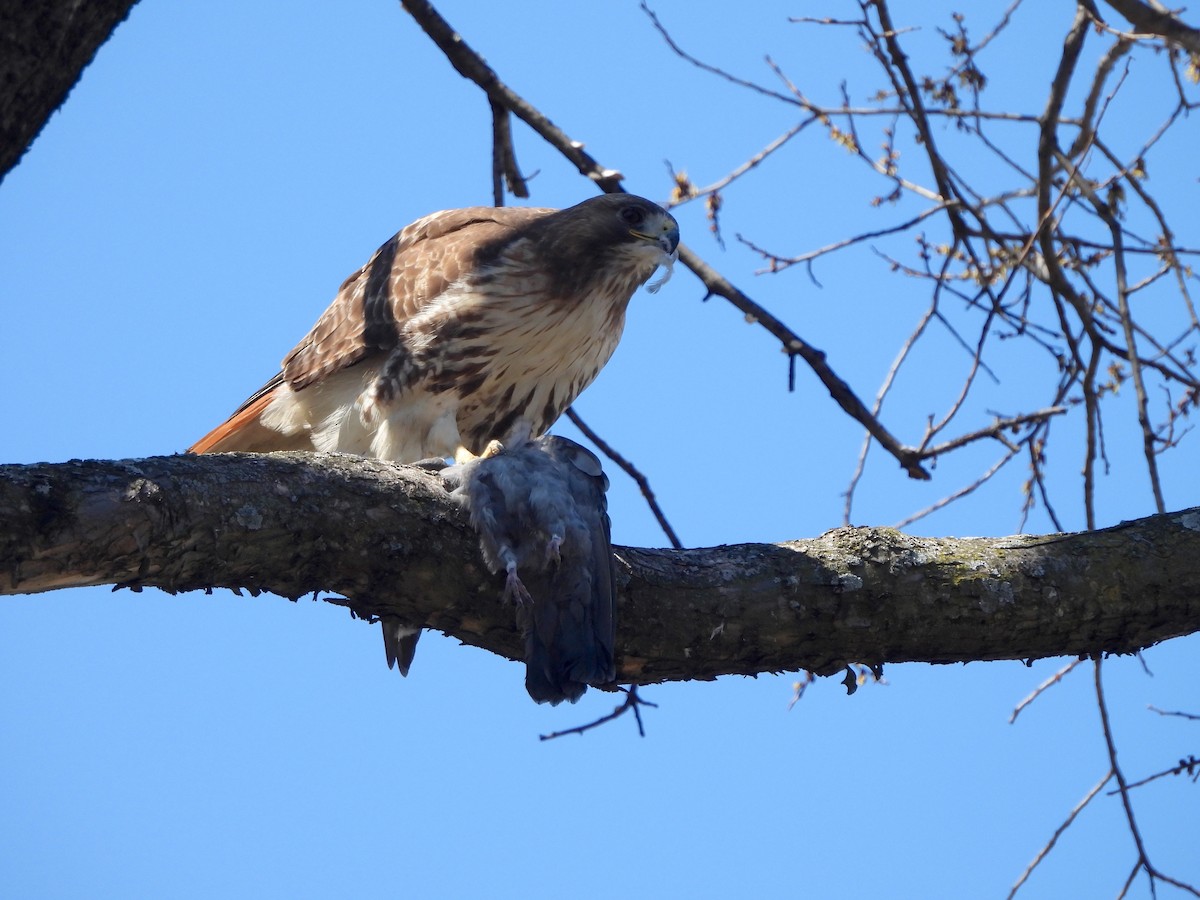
<point>541,514</point>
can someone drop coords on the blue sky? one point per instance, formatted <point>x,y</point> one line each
<point>180,224</point>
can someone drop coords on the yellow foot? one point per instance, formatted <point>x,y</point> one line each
<point>463,455</point>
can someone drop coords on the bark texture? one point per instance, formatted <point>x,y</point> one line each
<point>387,540</point>
<point>44,47</point>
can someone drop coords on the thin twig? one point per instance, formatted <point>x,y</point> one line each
<point>632,702</point>
<point>994,430</point>
<point>1123,788</point>
<point>778,263</point>
<point>748,165</point>
<point>1037,692</point>
<point>629,469</point>
<point>1191,765</point>
<point>1135,363</point>
<point>505,172</point>
<point>880,396</point>
<point>1184,715</point>
<point>1058,832</point>
<point>960,493</point>
<point>794,345</point>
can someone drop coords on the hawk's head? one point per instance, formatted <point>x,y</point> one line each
<point>613,237</point>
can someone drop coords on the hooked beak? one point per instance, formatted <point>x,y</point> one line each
<point>666,234</point>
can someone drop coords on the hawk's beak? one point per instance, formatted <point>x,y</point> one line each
<point>666,235</point>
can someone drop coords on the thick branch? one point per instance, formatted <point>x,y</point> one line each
<point>387,538</point>
<point>1148,20</point>
<point>44,47</point>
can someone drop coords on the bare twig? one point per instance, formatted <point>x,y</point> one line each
<point>750,164</point>
<point>1191,765</point>
<point>778,263</point>
<point>1143,860</point>
<point>471,66</point>
<point>888,381</point>
<point>1105,214</point>
<point>995,430</point>
<point>1041,688</point>
<point>629,469</point>
<point>1154,19</point>
<point>961,492</point>
<point>505,172</point>
<point>1058,832</point>
<point>714,70</point>
<point>632,702</point>
<point>794,345</point>
<point>1183,715</point>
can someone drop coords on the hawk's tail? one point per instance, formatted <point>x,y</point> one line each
<point>244,429</point>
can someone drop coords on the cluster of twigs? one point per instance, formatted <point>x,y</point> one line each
<point>1142,863</point>
<point>1054,254</point>
<point>1054,251</point>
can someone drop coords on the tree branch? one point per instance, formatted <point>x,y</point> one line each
<point>389,540</point>
<point>44,48</point>
<point>1166,25</point>
<point>470,65</point>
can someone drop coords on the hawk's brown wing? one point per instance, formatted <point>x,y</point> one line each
<point>365,317</point>
<point>403,276</point>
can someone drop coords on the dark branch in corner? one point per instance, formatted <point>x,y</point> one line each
<point>1148,20</point>
<point>46,47</point>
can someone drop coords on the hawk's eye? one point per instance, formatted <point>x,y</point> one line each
<point>632,215</point>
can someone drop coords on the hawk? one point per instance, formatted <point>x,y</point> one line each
<point>468,327</point>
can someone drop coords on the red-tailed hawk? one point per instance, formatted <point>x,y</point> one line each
<point>469,326</point>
